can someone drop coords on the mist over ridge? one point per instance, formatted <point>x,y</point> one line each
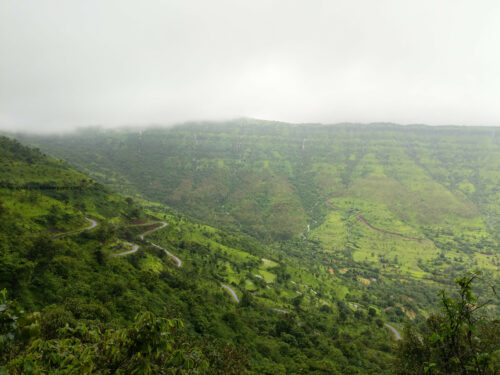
<point>93,62</point>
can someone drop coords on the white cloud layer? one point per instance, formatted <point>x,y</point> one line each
<point>85,62</point>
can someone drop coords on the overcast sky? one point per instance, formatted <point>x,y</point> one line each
<point>70,63</point>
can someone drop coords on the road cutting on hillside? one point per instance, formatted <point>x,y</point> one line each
<point>365,222</point>
<point>136,247</point>
<point>393,330</point>
<point>92,225</point>
<point>228,288</point>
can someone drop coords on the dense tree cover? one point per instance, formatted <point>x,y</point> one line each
<point>76,297</point>
<point>461,339</point>
<point>270,180</point>
<point>346,228</point>
<point>77,302</point>
<point>412,202</point>
<point>30,345</point>
<point>254,173</point>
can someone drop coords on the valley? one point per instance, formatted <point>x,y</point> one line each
<point>431,186</point>
<point>298,249</point>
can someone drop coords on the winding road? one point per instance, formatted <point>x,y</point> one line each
<point>92,225</point>
<point>163,225</point>
<point>393,330</point>
<point>135,247</point>
<point>235,297</point>
<point>177,260</point>
<point>133,250</point>
<point>365,222</point>
<point>281,311</point>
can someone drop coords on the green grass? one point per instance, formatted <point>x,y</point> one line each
<point>268,276</point>
<point>151,263</point>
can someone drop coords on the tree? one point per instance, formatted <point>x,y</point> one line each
<point>246,299</point>
<point>16,327</point>
<point>297,301</point>
<point>372,312</point>
<point>53,215</point>
<point>149,346</point>
<point>359,314</point>
<point>459,340</point>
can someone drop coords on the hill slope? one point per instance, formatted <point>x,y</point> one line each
<point>83,255</point>
<point>345,187</point>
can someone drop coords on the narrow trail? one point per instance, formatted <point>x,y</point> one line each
<point>281,311</point>
<point>163,225</point>
<point>365,222</point>
<point>136,247</point>
<point>177,260</point>
<point>237,300</point>
<point>235,297</point>
<point>394,331</point>
<point>92,225</point>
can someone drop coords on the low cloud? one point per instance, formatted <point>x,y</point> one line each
<point>111,63</point>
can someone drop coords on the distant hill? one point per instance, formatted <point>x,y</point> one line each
<point>438,185</point>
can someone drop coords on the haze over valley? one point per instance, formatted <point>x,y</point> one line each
<point>270,187</point>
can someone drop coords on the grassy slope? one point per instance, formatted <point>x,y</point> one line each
<point>270,180</point>
<point>75,279</point>
<point>438,184</point>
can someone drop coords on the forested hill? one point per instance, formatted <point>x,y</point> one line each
<point>257,173</point>
<point>343,186</point>
<point>97,283</point>
<point>312,248</point>
<point>76,293</point>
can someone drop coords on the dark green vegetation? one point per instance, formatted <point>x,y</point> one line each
<point>74,302</point>
<point>79,303</point>
<point>150,346</point>
<point>324,234</point>
<point>459,340</point>
<point>418,202</point>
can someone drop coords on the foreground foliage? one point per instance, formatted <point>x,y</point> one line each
<point>459,340</point>
<point>150,346</point>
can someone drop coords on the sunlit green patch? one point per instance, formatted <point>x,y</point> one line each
<point>151,263</point>
<point>266,263</point>
<point>268,276</point>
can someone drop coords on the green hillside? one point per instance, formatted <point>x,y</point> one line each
<point>323,233</point>
<point>73,258</point>
<point>272,180</point>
